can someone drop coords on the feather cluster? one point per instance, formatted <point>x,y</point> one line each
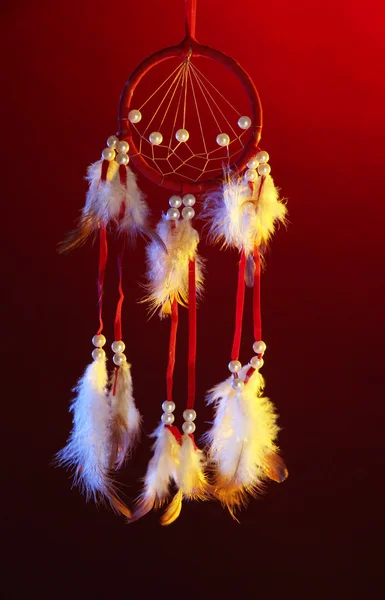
<point>104,430</point>
<point>110,202</point>
<point>167,274</point>
<point>190,479</point>
<point>241,443</point>
<point>242,217</point>
<point>161,471</point>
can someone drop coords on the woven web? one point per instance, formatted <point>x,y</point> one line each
<point>188,99</point>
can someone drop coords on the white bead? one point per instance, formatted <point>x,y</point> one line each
<point>134,116</point>
<point>264,169</point>
<point>175,201</point>
<point>108,154</point>
<point>256,362</point>
<point>259,347</point>
<point>262,156</point>
<point>167,418</point>
<point>189,414</point>
<point>168,406</point>
<point>182,135</point>
<point>119,358</point>
<point>112,141</point>
<point>244,122</point>
<point>122,159</point>
<point>253,163</point>
<point>189,200</point>
<point>99,340</point>
<point>251,175</point>
<point>188,427</point>
<point>234,366</point>
<point>156,138</point>
<point>98,354</point>
<point>188,212</point>
<point>238,384</point>
<point>123,147</point>
<point>118,346</point>
<point>173,214</point>
<point>223,139</point>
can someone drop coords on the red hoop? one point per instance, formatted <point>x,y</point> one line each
<point>188,46</point>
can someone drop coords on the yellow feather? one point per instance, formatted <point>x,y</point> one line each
<point>173,510</point>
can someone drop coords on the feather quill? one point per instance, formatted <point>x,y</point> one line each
<point>161,472</point>
<point>88,450</point>
<point>125,422</point>
<point>241,442</point>
<point>167,274</point>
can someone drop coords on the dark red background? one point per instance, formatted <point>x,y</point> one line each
<point>319,69</point>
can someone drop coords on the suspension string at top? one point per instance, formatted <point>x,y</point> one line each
<point>240,301</point>
<point>190,7</point>
<point>192,340</point>
<point>172,349</point>
<point>103,253</point>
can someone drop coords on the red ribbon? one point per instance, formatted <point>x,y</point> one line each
<point>192,340</point>
<point>190,7</point>
<point>103,253</point>
<point>118,315</point>
<point>171,349</point>
<point>240,301</point>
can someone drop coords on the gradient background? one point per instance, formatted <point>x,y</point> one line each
<point>319,68</point>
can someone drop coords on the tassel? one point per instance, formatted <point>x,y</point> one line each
<point>125,424</point>
<point>87,449</point>
<point>167,274</point>
<point>161,471</point>
<point>191,479</point>
<point>244,216</point>
<point>242,449</point>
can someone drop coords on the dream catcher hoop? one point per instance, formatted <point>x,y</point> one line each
<point>181,138</point>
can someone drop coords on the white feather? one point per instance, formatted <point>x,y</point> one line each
<point>167,274</point>
<point>125,418</point>
<point>241,441</point>
<point>161,471</point>
<point>104,198</point>
<point>136,209</point>
<point>87,448</point>
<point>241,218</point>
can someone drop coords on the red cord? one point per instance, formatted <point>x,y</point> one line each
<point>257,297</point>
<point>103,253</point>
<point>118,315</point>
<point>171,349</point>
<point>190,7</point>
<point>192,338</point>
<point>239,308</point>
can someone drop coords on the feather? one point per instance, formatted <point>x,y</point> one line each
<point>242,449</point>
<point>124,429</point>
<point>110,202</point>
<point>173,510</point>
<point>161,472</point>
<point>242,218</point>
<point>167,274</point>
<point>190,479</point>
<point>87,450</point>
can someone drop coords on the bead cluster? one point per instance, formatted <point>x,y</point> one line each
<point>98,341</point>
<point>182,135</point>
<point>258,165</point>
<point>189,416</point>
<point>116,150</point>
<point>168,408</point>
<point>176,202</point>
<point>118,348</point>
<point>256,362</point>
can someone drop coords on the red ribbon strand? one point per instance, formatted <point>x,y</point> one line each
<point>171,349</point>
<point>240,301</point>
<point>192,339</point>
<point>103,253</point>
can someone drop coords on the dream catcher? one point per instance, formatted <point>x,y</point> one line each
<point>179,127</point>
